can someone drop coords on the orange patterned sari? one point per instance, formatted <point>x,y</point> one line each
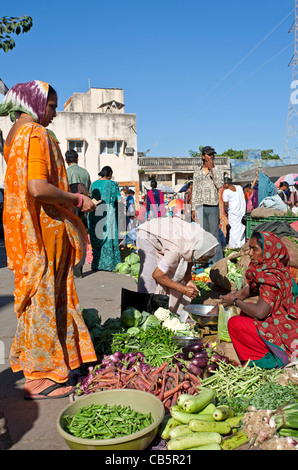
<point>43,243</point>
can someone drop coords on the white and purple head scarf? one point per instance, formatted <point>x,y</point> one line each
<point>30,98</point>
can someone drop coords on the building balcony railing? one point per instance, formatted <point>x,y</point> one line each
<point>176,163</point>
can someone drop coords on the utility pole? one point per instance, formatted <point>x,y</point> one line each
<point>290,154</point>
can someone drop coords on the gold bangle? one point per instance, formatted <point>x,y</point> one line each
<point>185,290</point>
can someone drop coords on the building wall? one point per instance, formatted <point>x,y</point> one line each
<point>93,117</point>
<point>93,100</point>
<point>93,128</point>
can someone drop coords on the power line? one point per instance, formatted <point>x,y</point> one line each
<point>243,80</point>
<point>232,70</point>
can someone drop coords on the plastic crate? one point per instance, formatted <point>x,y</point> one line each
<point>253,222</point>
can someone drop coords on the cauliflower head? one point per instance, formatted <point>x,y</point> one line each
<point>162,314</point>
<point>174,324</point>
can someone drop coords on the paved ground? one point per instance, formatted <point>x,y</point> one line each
<point>31,425</point>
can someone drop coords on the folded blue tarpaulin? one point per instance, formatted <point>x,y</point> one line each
<point>265,187</point>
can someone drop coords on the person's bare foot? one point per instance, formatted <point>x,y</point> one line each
<point>41,389</point>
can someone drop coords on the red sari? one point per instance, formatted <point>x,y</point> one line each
<point>273,340</point>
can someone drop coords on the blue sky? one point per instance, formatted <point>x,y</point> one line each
<point>194,72</point>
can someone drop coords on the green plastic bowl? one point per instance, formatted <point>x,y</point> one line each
<point>142,402</point>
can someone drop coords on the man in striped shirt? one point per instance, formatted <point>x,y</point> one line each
<point>207,181</point>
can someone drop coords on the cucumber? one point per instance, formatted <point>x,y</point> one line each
<point>213,446</point>
<point>184,417</point>
<point>196,403</point>
<point>182,398</point>
<point>222,412</point>
<point>179,431</point>
<point>203,417</point>
<point>172,423</point>
<point>236,440</point>
<point>208,410</point>
<point>194,439</point>
<point>199,425</point>
<point>163,424</point>
<point>234,422</point>
<point>175,408</point>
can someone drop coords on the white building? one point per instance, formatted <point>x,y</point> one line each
<point>96,126</point>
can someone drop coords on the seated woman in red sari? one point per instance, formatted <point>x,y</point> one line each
<point>265,333</point>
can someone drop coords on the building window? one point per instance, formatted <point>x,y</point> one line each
<point>111,147</point>
<point>77,145</point>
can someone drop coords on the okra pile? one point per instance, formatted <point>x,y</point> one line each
<point>106,421</point>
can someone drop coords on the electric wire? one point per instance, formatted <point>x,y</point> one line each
<point>178,124</point>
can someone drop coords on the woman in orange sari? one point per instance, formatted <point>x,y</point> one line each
<point>44,240</point>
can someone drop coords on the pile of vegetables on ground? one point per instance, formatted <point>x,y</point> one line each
<point>131,372</point>
<point>247,407</point>
<point>134,329</point>
<point>200,422</point>
<point>130,265</point>
<point>211,402</point>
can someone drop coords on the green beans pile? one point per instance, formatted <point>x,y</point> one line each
<point>155,343</point>
<point>106,422</point>
<point>233,381</point>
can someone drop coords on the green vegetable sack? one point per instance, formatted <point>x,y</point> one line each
<point>235,274</point>
<point>131,259</point>
<point>224,315</point>
<point>131,317</point>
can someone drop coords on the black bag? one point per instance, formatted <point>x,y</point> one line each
<point>143,302</point>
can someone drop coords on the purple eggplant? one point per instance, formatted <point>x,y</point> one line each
<point>200,354</point>
<point>195,347</point>
<point>189,356</point>
<point>200,362</point>
<point>179,356</point>
<point>195,370</point>
<point>215,358</point>
<point>212,367</point>
<point>177,362</point>
<point>209,370</point>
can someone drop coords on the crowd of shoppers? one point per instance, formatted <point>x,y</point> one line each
<point>48,211</point>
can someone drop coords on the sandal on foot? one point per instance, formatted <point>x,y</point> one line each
<point>45,394</point>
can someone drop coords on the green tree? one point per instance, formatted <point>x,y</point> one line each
<point>238,154</point>
<point>235,154</point>
<point>193,153</point>
<point>269,155</point>
<point>12,25</point>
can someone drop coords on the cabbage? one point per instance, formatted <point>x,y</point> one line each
<point>117,267</point>
<point>131,259</point>
<point>133,331</point>
<point>131,317</point>
<point>150,322</point>
<point>124,268</point>
<point>134,269</point>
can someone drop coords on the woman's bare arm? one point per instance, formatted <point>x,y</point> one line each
<point>46,192</point>
<point>258,310</point>
<point>162,279</point>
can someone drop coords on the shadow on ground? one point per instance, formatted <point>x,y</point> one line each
<point>17,416</point>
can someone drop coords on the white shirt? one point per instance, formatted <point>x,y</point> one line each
<point>236,201</point>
